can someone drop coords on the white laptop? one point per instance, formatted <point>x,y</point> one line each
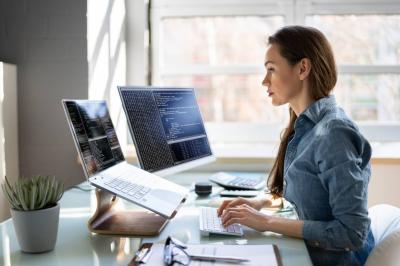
<point>104,164</point>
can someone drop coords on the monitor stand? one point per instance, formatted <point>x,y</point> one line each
<point>107,220</point>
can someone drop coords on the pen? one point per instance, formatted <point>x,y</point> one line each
<point>218,258</point>
<point>143,255</point>
<point>146,256</point>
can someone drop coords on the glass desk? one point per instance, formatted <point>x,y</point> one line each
<point>77,246</point>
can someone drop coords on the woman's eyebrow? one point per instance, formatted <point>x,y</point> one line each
<point>268,62</point>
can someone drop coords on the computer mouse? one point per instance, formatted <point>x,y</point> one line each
<point>203,188</point>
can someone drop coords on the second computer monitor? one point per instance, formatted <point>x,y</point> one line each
<point>167,128</point>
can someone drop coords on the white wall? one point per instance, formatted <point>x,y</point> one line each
<point>46,39</point>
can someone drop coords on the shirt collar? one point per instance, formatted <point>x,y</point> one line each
<point>317,109</point>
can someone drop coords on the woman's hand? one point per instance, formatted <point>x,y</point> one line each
<point>245,215</point>
<point>258,203</point>
<point>254,203</point>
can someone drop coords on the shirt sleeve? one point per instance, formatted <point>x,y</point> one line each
<point>342,157</point>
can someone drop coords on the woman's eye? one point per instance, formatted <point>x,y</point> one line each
<point>270,69</point>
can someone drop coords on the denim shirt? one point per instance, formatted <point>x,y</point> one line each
<point>326,175</point>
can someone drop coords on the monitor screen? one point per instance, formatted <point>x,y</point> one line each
<point>166,127</point>
<point>94,134</point>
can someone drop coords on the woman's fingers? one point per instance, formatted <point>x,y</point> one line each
<point>223,206</point>
<point>229,214</point>
<point>229,204</point>
<point>230,218</point>
<point>233,213</point>
<point>238,220</point>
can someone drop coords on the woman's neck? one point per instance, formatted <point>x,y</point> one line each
<point>300,103</point>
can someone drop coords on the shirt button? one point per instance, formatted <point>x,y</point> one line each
<point>347,249</point>
<point>316,243</point>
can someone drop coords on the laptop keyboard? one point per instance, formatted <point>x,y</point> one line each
<point>211,223</point>
<point>129,188</point>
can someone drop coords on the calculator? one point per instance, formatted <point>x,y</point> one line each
<point>232,181</point>
<point>239,193</point>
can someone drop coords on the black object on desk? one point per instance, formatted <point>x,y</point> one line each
<point>203,188</point>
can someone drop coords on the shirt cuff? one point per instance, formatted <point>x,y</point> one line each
<point>311,233</point>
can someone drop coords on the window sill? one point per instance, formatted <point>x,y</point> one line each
<point>385,152</point>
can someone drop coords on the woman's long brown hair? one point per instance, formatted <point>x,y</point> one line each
<point>296,43</point>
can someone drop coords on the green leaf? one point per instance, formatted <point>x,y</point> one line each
<point>45,192</point>
<point>12,201</point>
<point>10,188</point>
<point>40,193</point>
<point>33,197</point>
<point>21,196</point>
<point>13,196</point>
<point>25,190</point>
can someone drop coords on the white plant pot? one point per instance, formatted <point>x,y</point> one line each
<point>36,230</point>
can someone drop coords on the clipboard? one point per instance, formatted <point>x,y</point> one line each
<point>259,255</point>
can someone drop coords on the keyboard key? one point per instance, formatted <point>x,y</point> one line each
<point>132,187</point>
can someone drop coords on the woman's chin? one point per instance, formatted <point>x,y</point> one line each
<point>277,103</point>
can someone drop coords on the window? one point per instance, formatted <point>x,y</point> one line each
<point>218,47</point>
<point>220,57</point>
<point>369,88</point>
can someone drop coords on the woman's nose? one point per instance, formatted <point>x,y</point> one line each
<point>266,82</point>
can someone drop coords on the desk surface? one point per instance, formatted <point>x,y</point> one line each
<point>77,246</point>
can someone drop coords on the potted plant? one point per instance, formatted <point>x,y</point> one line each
<point>35,211</point>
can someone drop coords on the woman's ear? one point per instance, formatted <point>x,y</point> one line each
<point>305,68</point>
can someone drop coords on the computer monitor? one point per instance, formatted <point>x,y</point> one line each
<point>167,128</point>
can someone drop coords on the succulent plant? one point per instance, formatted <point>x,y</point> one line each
<point>39,192</point>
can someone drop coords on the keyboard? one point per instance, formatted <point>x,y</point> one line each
<point>237,182</point>
<point>210,223</point>
<point>129,188</point>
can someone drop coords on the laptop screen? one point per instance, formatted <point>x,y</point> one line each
<point>94,134</point>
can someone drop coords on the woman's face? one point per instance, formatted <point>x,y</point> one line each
<point>282,79</point>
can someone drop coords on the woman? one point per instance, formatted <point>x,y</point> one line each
<point>322,167</point>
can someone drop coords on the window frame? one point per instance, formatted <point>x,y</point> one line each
<point>293,12</point>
